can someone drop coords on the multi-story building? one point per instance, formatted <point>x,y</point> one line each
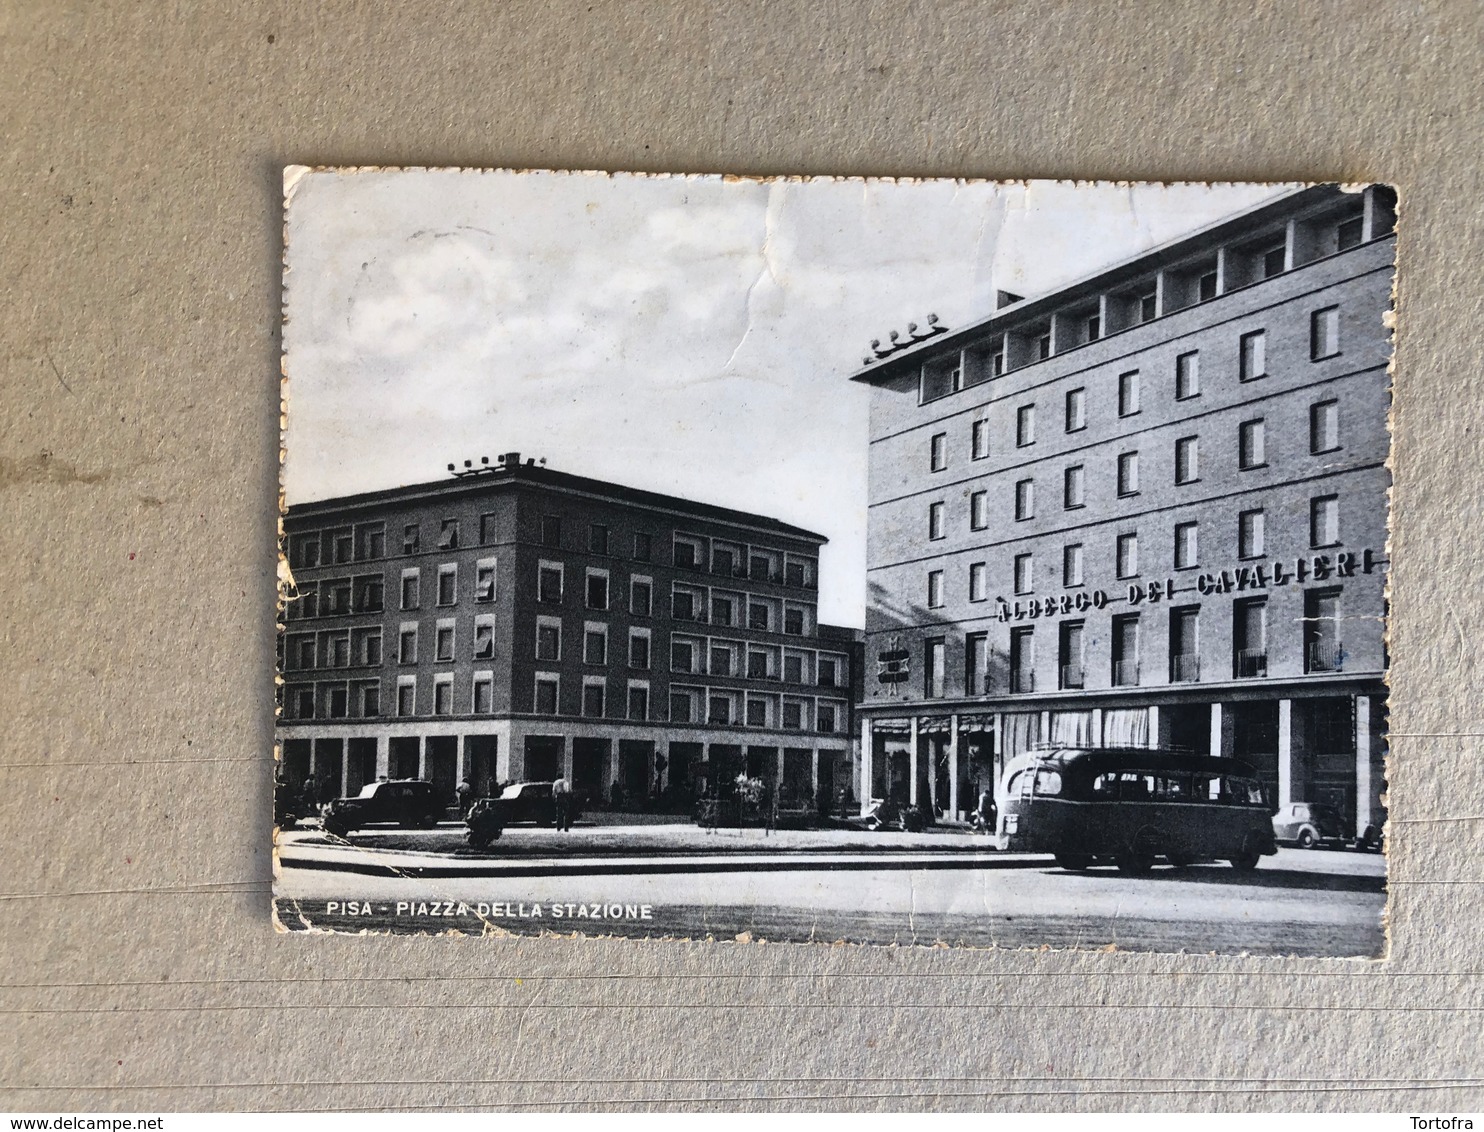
<point>515,622</point>
<point>1148,508</point>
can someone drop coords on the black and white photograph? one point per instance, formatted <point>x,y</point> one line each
<point>815,560</point>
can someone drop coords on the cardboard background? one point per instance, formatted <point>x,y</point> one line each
<point>142,156</point>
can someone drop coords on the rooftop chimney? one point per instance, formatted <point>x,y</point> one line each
<point>511,459</point>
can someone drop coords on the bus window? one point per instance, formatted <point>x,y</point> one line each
<point>1173,787</point>
<point>1105,787</point>
<point>1048,782</point>
<point>1207,788</point>
<point>1014,783</point>
<point>1244,791</point>
<point>1133,787</point>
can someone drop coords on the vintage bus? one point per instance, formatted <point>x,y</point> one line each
<point>1131,806</point>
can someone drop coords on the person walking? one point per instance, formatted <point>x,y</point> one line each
<point>463,790</point>
<point>561,796</point>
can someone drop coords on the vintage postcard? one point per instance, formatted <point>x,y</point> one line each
<point>894,562</point>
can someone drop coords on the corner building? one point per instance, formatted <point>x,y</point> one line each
<point>1148,508</point>
<point>516,623</point>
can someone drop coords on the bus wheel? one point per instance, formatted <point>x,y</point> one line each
<point>1247,859</point>
<point>1073,862</point>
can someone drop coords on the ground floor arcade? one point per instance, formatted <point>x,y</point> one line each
<point>1315,745</point>
<point>611,766</point>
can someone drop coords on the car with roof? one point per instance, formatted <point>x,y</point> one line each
<point>516,803</point>
<point>1310,825</point>
<point>406,802</point>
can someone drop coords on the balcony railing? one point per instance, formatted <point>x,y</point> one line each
<point>1324,656</point>
<point>1251,662</point>
<point>1125,672</point>
<point>1185,668</point>
<point>1072,676</point>
<point>1021,682</point>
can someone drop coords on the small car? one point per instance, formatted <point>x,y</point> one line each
<point>518,802</point>
<point>404,802</point>
<point>1309,825</point>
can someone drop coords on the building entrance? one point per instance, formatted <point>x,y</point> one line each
<point>635,757</point>
<point>443,765</point>
<point>589,765</point>
<point>481,762</point>
<point>360,767</point>
<point>329,767</point>
<point>1190,727</point>
<point>543,761</point>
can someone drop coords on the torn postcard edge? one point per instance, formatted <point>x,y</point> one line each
<point>808,559</point>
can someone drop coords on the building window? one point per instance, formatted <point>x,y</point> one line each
<point>443,695</point>
<point>489,530</point>
<point>793,668</point>
<point>549,584</point>
<point>1250,534</point>
<point>1128,555</point>
<point>443,641</point>
<point>979,439</point>
<point>448,585</point>
<point>682,656</point>
<point>759,616</point>
<point>720,661</point>
<point>1025,499</point>
<point>683,605</point>
<point>641,596</point>
<point>687,554</point>
<point>793,715</point>
<point>1094,327</point>
<point>793,621</point>
<point>371,541</point>
<point>941,377</point>
<point>757,665</point>
<point>1071,565</point>
<point>368,646</point>
<point>1187,546</point>
<point>548,638</point>
<point>796,574</point>
<point>1025,426</point>
<point>484,580</point>
<point>719,711</point>
<point>1187,460</point>
<point>722,610</point>
<point>1250,638</point>
<point>484,637</point>
<point>1128,473</point>
<point>597,589</point>
<point>935,521</point>
<point>643,547</point>
<point>1251,447</point>
<point>1043,346</point>
<point>407,695</point>
<point>1350,233</point>
<point>1148,305</point>
<point>1022,660</point>
<point>639,649</point>
<point>978,581</point>
<point>484,693</point>
<point>829,672</point>
<point>682,707</point>
<point>1185,660</point>
<point>976,664</point>
<point>1206,287</point>
<point>1076,410</point>
<point>979,510</point>
<point>597,538</point>
<point>410,540</point>
<point>1274,260</point>
<point>547,686</point>
<point>595,645</point>
<point>339,701</point>
<point>638,701</point>
<point>1253,356</point>
<point>1024,577</point>
<point>1324,426</point>
<point>997,356</point>
<point>1072,487</point>
<point>1324,333</point>
<point>932,667</point>
<point>1069,655</point>
<point>935,589</point>
<point>411,598</point>
<point>1128,393</point>
<point>594,692</point>
<point>1324,521</point>
<point>551,530</point>
<point>1126,649</point>
<point>938,452</point>
<point>1188,376</point>
<point>366,596</point>
<point>371,699</point>
<point>1322,650</point>
<point>825,718</point>
<point>407,645</point>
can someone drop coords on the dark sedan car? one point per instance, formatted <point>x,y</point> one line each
<point>518,802</point>
<point>406,802</point>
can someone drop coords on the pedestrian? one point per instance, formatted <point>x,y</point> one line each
<point>463,791</point>
<point>561,797</point>
<point>984,816</point>
<point>615,796</point>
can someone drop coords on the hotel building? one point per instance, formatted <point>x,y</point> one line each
<point>1149,509</point>
<point>513,622</point>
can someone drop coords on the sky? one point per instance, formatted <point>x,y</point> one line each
<point>689,335</point>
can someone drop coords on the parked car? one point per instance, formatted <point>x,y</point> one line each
<point>1309,825</point>
<point>288,806</point>
<point>518,802</point>
<point>404,802</point>
<point>1372,839</point>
